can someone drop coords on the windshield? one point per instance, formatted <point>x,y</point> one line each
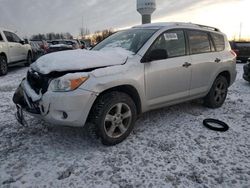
<point>132,39</point>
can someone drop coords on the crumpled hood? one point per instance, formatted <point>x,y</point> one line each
<point>73,60</point>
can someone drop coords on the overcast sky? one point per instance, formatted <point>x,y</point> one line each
<point>41,16</point>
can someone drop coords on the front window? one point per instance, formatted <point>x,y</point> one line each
<point>16,38</point>
<point>173,42</point>
<point>132,40</point>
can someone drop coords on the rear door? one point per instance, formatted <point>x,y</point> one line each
<point>167,80</point>
<point>14,47</point>
<point>205,61</point>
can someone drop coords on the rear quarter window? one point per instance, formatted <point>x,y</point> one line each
<point>219,41</point>
<point>198,42</point>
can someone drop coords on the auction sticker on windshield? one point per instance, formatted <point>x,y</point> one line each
<point>170,36</point>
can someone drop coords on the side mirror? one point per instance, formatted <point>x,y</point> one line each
<point>155,55</point>
<point>26,41</point>
<point>22,42</point>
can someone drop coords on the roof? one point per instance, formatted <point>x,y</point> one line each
<point>172,24</point>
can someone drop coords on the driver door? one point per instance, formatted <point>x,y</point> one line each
<point>21,50</point>
<point>168,80</point>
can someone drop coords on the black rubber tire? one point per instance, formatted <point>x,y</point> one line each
<point>99,111</point>
<point>3,66</point>
<point>28,60</point>
<point>224,126</point>
<point>210,99</point>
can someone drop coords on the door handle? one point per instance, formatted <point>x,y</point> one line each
<point>217,60</point>
<point>186,64</point>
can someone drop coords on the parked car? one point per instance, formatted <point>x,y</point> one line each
<point>86,44</point>
<point>246,74</point>
<point>13,50</point>
<point>242,49</point>
<point>131,72</point>
<point>62,45</point>
<point>37,51</point>
<point>42,44</point>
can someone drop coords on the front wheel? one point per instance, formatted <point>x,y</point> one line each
<point>28,60</point>
<point>113,116</point>
<point>218,93</point>
<point>3,66</point>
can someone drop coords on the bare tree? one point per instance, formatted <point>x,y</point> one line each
<point>101,35</point>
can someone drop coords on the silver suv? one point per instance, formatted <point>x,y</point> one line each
<point>131,72</point>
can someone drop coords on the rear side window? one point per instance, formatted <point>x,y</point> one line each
<point>9,36</point>
<point>198,42</point>
<point>173,42</point>
<point>219,41</point>
<point>1,38</point>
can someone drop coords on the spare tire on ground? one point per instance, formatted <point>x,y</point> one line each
<point>223,126</point>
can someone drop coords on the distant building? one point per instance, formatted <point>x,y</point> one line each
<point>146,8</point>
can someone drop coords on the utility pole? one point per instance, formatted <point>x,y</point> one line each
<point>240,31</point>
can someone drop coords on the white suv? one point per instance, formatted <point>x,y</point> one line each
<point>131,72</point>
<point>13,50</point>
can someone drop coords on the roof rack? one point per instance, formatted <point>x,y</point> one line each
<point>208,27</point>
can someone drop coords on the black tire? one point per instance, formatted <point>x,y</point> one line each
<point>100,115</point>
<point>3,66</point>
<point>224,127</point>
<point>217,94</point>
<point>28,60</point>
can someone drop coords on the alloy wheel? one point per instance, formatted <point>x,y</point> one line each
<point>220,92</point>
<point>3,66</point>
<point>117,120</point>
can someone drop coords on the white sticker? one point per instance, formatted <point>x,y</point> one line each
<point>170,36</point>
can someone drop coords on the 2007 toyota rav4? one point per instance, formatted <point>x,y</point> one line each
<point>131,72</point>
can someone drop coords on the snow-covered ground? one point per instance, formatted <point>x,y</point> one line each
<point>168,148</point>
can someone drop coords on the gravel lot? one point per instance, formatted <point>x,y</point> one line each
<point>168,147</point>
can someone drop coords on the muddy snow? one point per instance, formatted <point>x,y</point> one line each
<point>168,147</point>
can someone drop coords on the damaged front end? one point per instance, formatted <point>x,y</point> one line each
<point>35,96</point>
<point>28,94</point>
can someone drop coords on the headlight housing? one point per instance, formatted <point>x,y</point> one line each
<point>68,82</point>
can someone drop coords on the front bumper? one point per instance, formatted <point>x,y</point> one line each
<point>59,108</point>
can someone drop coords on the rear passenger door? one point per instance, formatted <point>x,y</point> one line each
<point>14,47</point>
<point>205,61</point>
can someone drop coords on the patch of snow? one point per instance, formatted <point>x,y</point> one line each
<point>111,70</point>
<point>30,92</point>
<point>80,60</point>
<point>168,147</point>
<point>60,45</point>
<point>72,76</point>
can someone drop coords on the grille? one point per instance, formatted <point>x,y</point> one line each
<point>37,82</point>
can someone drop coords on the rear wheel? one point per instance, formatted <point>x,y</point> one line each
<point>113,116</point>
<point>3,66</point>
<point>28,60</point>
<point>218,93</point>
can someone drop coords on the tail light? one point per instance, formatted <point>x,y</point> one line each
<point>233,53</point>
<point>236,52</point>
